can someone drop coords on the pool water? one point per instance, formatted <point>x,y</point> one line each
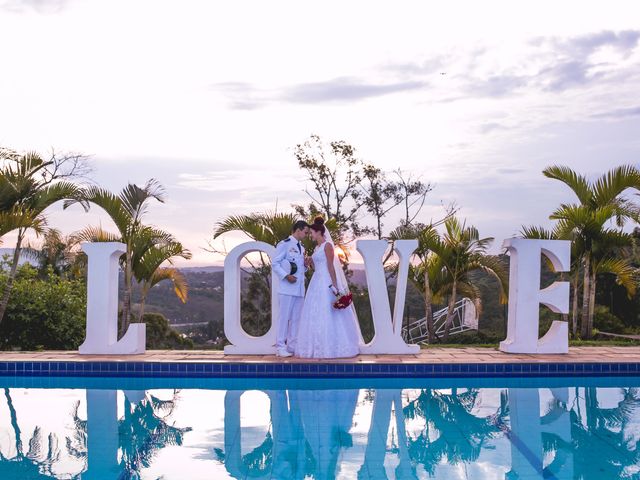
<point>110,428</point>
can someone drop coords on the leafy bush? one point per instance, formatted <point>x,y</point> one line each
<point>160,335</point>
<point>605,321</point>
<point>43,313</point>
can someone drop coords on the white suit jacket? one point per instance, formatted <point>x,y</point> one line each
<point>289,250</point>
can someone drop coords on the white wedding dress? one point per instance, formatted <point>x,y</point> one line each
<point>324,331</point>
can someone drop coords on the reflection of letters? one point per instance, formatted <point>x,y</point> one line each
<point>385,401</point>
<point>527,428</point>
<point>102,435</point>
<point>514,433</point>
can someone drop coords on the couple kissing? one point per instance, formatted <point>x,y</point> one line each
<point>309,323</point>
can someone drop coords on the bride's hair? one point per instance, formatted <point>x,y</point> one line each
<point>318,225</point>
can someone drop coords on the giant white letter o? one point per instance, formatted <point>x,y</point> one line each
<point>241,342</point>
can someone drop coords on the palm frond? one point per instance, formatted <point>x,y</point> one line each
<point>576,182</point>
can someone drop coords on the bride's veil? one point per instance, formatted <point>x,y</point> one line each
<point>341,278</point>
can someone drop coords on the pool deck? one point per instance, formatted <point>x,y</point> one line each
<point>462,355</point>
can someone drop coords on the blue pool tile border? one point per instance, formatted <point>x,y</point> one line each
<point>312,370</point>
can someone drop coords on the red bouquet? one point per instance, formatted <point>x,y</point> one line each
<point>343,301</point>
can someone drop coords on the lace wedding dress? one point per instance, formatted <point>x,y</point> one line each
<point>323,331</point>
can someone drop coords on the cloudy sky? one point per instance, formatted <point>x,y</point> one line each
<point>211,97</point>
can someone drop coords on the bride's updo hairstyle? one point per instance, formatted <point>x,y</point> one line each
<point>318,225</point>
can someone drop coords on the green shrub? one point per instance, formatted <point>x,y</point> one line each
<point>605,321</point>
<point>160,335</point>
<point>43,313</point>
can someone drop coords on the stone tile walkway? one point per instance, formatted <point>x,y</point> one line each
<point>432,355</point>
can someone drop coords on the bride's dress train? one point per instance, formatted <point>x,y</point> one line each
<point>323,331</point>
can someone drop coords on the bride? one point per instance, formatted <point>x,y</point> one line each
<point>324,331</point>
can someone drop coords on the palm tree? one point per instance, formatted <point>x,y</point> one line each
<point>426,273</point>
<point>148,258</point>
<point>447,262</point>
<point>127,210</point>
<point>268,227</point>
<point>58,253</point>
<point>599,202</point>
<point>27,189</point>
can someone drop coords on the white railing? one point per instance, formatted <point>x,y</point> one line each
<point>465,318</point>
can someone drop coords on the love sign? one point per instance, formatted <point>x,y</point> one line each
<point>525,296</point>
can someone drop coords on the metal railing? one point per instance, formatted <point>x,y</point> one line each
<point>465,318</point>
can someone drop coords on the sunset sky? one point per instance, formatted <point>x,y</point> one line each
<point>211,97</point>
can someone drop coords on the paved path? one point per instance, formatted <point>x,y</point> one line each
<point>432,355</point>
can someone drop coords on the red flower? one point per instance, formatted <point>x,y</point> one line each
<point>343,301</point>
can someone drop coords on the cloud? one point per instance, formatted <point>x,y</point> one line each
<point>40,6</point>
<point>245,96</point>
<point>585,45</point>
<point>345,89</point>
<point>509,171</point>
<point>562,64</point>
<point>491,127</point>
<point>495,86</point>
<point>619,113</point>
<point>428,66</point>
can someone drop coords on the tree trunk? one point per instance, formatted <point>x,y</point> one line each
<point>143,299</point>
<point>126,301</point>
<point>14,423</point>
<point>12,275</point>
<point>428,308</point>
<point>574,307</point>
<point>592,300</point>
<point>585,330</point>
<point>450,310</point>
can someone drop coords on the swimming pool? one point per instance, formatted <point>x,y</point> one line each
<point>197,428</point>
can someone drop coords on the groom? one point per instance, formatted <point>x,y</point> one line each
<point>289,266</point>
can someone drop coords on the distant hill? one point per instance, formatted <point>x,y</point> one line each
<point>206,269</point>
<point>206,300</point>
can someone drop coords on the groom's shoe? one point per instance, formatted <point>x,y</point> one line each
<point>282,352</point>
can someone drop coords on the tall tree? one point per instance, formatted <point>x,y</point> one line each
<point>127,210</point>
<point>28,186</point>
<point>379,195</point>
<point>413,192</point>
<point>462,251</point>
<point>600,203</point>
<point>335,172</point>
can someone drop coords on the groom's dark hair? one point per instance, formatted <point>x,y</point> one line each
<point>299,225</point>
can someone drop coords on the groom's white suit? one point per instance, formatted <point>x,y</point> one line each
<point>291,295</point>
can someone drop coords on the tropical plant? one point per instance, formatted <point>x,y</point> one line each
<point>446,265</point>
<point>28,186</point>
<point>148,257</point>
<point>127,210</point>
<point>57,252</point>
<point>426,273</point>
<point>600,203</point>
<point>448,416</point>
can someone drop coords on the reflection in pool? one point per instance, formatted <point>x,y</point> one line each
<point>440,429</point>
